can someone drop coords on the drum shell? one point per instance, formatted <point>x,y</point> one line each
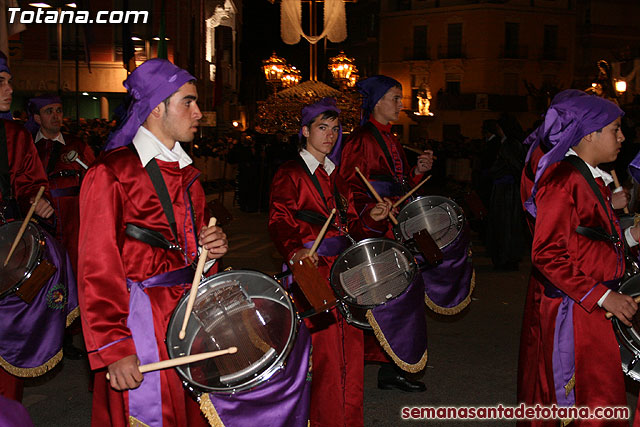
<point>26,259</point>
<point>629,337</point>
<point>422,208</point>
<point>177,347</point>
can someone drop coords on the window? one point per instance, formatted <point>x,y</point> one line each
<point>510,83</point>
<point>550,43</point>
<point>420,49</point>
<point>452,88</point>
<point>511,35</point>
<point>68,42</point>
<point>454,41</point>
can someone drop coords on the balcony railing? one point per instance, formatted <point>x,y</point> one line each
<point>514,52</point>
<point>417,54</point>
<point>554,54</point>
<point>451,51</point>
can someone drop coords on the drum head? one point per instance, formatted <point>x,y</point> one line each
<point>245,309</point>
<point>441,217</point>
<point>372,272</point>
<point>25,258</point>
<point>629,337</point>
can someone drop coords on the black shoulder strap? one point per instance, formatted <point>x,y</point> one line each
<point>342,213</point>
<point>163,194</point>
<point>383,146</point>
<point>581,166</point>
<point>314,179</point>
<point>5,177</point>
<point>53,158</point>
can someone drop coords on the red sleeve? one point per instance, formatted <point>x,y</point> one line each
<point>102,285</point>
<point>27,173</point>
<point>555,244</point>
<point>283,227</point>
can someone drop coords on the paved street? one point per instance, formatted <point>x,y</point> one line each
<point>472,356</point>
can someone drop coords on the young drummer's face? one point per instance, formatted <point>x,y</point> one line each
<point>321,136</point>
<point>389,106</point>
<point>608,141</point>
<point>182,116</point>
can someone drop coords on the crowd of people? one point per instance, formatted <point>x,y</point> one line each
<point>125,221</point>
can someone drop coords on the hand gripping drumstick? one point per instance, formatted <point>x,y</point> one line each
<point>72,156</point>
<point>170,363</point>
<point>194,286</point>
<point>321,233</point>
<point>616,182</point>
<point>24,225</point>
<point>609,314</point>
<point>376,195</point>
<point>413,190</point>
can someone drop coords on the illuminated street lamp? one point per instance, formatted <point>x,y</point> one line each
<point>621,86</point>
<point>353,78</point>
<point>274,68</point>
<point>341,68</point>
<point>290,77</point>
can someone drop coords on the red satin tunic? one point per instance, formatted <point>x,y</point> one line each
<point>25,170</point>
<point>362,150</point>
<point>117,191</point>
<point>577,265</point>
<point>338,370</point>
<point>67,206</point>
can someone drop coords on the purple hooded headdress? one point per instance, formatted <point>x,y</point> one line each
<point>148,85</point>
<point>312,111</point>
<point>34,106</point>
<point>372,89</point>
<point>569,118</point>
<point>4,67</point>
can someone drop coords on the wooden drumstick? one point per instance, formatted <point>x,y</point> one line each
<point>23,227</point>
<point>170,363</point>
<point>321,234</point>
<point>609,314</point>
<point>413,190</point>
<point>417,151</point>
<point>194,286</point>
<point>375,194</point>
<point>616,182</point>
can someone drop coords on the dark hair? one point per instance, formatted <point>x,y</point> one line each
<point>168,98</point>
<point>328,114</point>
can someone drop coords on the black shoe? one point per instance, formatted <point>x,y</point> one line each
<point>401,383</point>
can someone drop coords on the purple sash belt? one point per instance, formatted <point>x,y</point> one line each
<point>387,188</point>
<point>282,401</point>
<point>563,357</point>
<point>331,246</point>
<point>403,326</point>
<point>448,286</point>
<point>145,402</point>
<point>63,192</point>
<point>31,334</point>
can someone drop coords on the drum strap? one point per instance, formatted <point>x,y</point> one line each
<point>383,146</point>
<point>153,170</point>
<point>581,166</point>
<point>54,156</point>
<point>5,179</point>
<point>342,210</point>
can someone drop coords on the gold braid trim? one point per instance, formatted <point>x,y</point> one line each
<point>566,422</point>
<point>134,422</point>
<point>450,311</point>
<point>209,411</point>
<point>417,367</point>
<point>75,313</point>
<point>570,385</point>
<point>32,372</point>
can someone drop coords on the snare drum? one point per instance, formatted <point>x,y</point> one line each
<point>242,308</point>
<point>27,270</point>
<point>629,337</point>
<point>369,274</point>
<point>441,217</point>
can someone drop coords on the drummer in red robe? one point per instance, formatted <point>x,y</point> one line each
<point>129,288</point>
<point>65,159</point>
<point>380,157</point>
<point>303,189</point>
<point>21,175</point>
<point>569,353</point>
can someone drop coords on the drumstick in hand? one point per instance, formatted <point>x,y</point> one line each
<point>609,314</point>
<point>23,227</point>
<point>194,286</point>
<point>170,363</point>
<point>321,234</point>
<point>375,194</point>
<point>413,190</point>
<point>616,182</point>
